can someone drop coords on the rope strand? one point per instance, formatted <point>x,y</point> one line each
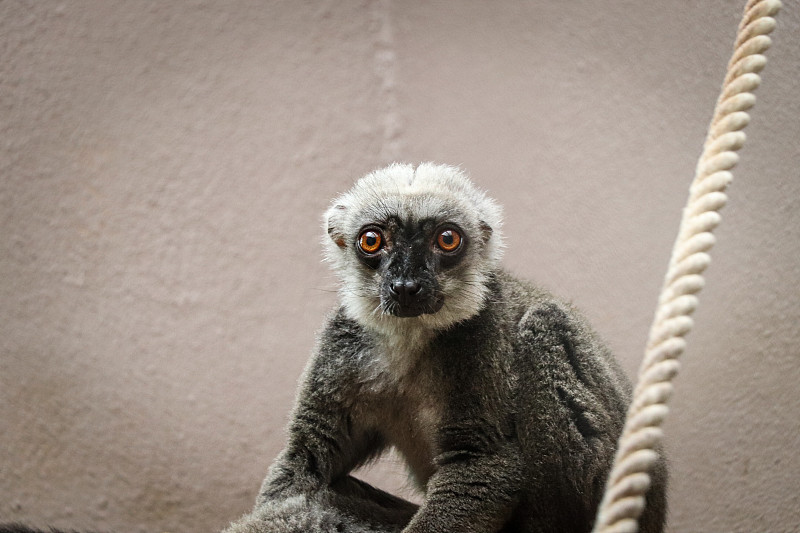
<point>629,479</point>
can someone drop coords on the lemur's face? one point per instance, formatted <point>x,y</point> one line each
<point>413,245</point>
<point>404,260</point>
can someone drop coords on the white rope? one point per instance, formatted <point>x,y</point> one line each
<point>624,498</point>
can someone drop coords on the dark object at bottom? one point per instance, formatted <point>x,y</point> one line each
<point>19,528</point>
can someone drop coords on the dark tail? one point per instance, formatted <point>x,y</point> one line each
<point>19,528</point>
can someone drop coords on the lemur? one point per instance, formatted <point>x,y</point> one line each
<point>504,403</point>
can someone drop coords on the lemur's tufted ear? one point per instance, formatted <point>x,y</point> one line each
<point>334,224</point>
<point>486,231</point>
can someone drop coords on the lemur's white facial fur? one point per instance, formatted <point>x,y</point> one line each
<point>413,248</point>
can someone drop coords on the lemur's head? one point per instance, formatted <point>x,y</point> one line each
<point>413,245</point>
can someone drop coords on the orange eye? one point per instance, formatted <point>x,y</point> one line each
<point>370,241</point>
<point>449,240</point>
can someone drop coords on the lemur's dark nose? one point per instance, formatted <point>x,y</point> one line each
<point>404,290</point>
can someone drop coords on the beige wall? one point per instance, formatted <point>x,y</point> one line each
<point>164,165</point>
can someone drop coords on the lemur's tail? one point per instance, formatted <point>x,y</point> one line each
<point>19,528</point>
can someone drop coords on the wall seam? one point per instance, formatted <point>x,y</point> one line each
<point>385,67</point>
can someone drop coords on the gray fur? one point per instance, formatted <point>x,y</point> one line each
<point>503,402</point>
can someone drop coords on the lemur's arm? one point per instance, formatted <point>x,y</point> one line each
<point>324,442</point>
<point>477,484</point>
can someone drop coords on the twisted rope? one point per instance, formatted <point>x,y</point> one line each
<point>624,498</point>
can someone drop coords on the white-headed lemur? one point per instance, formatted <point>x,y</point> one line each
<point>503,402</point>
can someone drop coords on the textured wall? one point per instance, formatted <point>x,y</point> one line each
<point>163,168</point>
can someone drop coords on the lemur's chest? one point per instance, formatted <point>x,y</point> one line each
<point>404,403</point>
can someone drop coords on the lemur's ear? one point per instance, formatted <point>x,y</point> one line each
<point>486,232</point>
<point>334,224</point>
